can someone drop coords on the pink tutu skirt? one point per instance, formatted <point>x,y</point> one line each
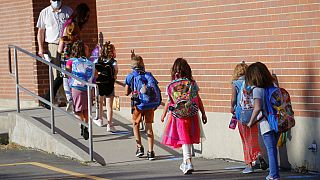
<point>181,131</point>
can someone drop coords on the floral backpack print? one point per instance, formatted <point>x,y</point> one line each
<point>280,113</point>
<point>184,103</point>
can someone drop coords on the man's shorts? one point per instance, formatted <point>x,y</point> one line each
<point>137,115</point>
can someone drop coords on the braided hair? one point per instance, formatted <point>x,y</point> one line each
<point>107,51</point>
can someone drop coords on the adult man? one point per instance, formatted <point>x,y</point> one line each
<point>50,25</point>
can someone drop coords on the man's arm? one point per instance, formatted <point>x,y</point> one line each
<point>40,38</point>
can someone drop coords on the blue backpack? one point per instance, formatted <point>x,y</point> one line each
<point>84,69</point>
<point>245,101</point>
<point>145,90</point>
<point>280,113</point>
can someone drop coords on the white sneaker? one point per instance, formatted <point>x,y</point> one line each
<point>69,107</point>
<point>247,170</point>
<point>98,122</point>
<point>110,128</point>
<point>186,168</point>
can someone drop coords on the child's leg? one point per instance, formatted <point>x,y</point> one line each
<point>186,150</point>
<point>67,89</point>
<point>109,104</point>
<point>101,102</point>
<point>136,132</point>
<point>85,115</point>
<point>150,136</point>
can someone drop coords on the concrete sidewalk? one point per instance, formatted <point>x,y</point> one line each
<point>109,148</point>
<point>117,152</point>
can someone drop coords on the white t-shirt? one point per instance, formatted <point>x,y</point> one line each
<point>258,93</point>
<point>53,22</point>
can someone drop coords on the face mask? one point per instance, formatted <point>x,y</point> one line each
<point>56,4</point>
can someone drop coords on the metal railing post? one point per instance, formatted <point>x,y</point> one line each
<point>90,122</point>
<point>51,99</point>
<point>17,79</point>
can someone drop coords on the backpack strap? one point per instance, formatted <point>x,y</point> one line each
<point>273,122</point>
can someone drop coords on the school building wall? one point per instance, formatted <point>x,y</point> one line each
<point>18,20</point>
<point>214,36</point>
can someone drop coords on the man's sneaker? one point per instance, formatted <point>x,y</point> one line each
<point>110,128</point>
<point>263,163</point>
<point>140,151</point>
<point>69,107</point>
<point>186,168</point>
<point>150,155</point>
<point>247,170</point>
<point>98,122</point>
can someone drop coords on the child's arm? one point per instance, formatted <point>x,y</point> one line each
<point>61,42</point>
<point>233,98</point>
<point>127,90</point>
<point>203,112</point>
<point>256,111</point>
<point>116,70</point>
<point>165,110</point>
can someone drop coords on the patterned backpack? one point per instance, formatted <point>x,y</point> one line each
<point>145,91</point>
<point>280,113</point>
<point>245,106</point>
<point>184,101</point>
<point>84,69</point>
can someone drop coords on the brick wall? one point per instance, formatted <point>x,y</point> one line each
<point>18,19</point>
<point>15,19</point>
<point>215,35</point>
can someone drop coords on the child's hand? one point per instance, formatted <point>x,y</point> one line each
<point>232,110</point>
<point>204,119</point>
<point>132,53</point>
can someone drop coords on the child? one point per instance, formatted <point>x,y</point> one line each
<point>137,114</point>
<point>81,67</point>
<point>259,76</point>
<point>70,33</point>
<point>106,70</point>
<point>182,131</point>
<point>249,136</point>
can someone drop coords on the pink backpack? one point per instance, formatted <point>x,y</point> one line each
<point>184,100</point>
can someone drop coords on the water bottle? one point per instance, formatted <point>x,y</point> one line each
<point>233,122</point>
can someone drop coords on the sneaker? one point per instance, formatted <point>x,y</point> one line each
<point>186,168</point>
<point>110,128</point>
<point>270,178</point>
<point>69,107</point>
<point>85,133</point>
<point>247,170</point>
<point>150,155</point>
<point>191,167</point>
<point>263,163</point>
<point>140,151</point>
<point>98,122</point>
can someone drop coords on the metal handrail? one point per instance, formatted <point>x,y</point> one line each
<point>52,106</point>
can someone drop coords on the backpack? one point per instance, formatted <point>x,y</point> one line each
<point>106,73</point>
<point>145,91</point>
<point>95,54</point>
<point>280,113</point>
<point>84,69</point>
<point>245,103</point>
<point>184,101</point>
